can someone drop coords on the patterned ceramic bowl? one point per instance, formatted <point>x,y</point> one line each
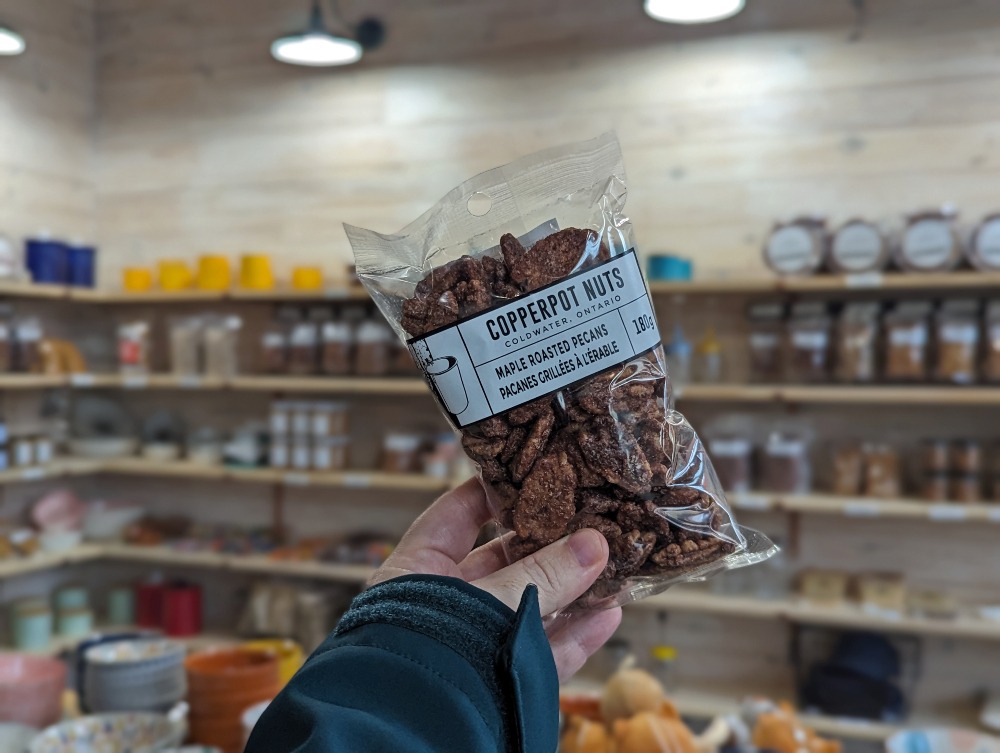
<point>115,733</point>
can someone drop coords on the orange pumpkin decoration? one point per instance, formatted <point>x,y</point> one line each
<point>649,732</point>
<point>587,706</point>
<point>584,736</point>
<point>781,731</point>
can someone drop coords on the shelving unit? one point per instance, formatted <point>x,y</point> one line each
<point>840,394</point>
<point>890,282</point>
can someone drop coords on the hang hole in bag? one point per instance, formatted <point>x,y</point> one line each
<point>479,204</point>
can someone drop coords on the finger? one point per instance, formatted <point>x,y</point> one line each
<point>444,533</point>
<point>580,637</point>
<point>484,560</point>
<point>561,571</point>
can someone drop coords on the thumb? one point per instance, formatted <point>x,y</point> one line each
<point>562,571</point>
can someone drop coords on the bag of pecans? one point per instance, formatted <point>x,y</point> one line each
<point>521,298</point>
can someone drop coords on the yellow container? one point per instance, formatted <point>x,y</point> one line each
<point>137,279</point>
<point>307,278</point>
<point>289,653</point>
<point>255,272</point>
<point>175,275</point>
<point>214,273</point>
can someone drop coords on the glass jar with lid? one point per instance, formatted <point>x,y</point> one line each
<point>373,350</point>
<point>809,330</point>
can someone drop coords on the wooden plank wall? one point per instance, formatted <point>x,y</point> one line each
<point>47,121</point>
<point>207,144</point>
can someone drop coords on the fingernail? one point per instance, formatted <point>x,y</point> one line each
<point>586,546</point>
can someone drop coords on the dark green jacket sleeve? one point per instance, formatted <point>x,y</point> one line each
<point>422,664</point>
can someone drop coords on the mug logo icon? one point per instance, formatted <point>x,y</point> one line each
<point>446,378</point>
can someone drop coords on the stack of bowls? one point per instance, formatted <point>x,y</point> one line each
<point>134,675</point>
<point>31,689</point>
<point>222,684</point>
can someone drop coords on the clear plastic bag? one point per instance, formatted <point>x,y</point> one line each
<point>521,299</point>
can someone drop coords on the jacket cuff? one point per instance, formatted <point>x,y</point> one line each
<point>509,651</point>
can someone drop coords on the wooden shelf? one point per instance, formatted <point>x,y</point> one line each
<point>42,561</point>
<point>806,613</point>
<point>332,385</point>
<point>31,381</point>
<point>866,507</point>
<point>823,283</point>
<point>90,295</point>
<point>933,396</point>
<point>341,479</point>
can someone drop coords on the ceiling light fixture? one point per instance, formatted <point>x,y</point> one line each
<point>11,43</point>
<point>318,46</point>
<point>692,11</point>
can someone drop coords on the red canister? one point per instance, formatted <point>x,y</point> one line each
<point>182,609</point>
<point>149,605</point>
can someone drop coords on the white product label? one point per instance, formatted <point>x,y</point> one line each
<point>908,337</point>
<point>857,247</point>
<point>542,342</point>
<point>301,456</point>
<point>300,422</point>
<point>810,340</point>
<point>959,334</point>
<point>729,448</point>
<point>356,480</point>
<point>862,509</point>
<point>763,340</point>
<point>322,458</point>
<point>928,244</point>
<point>946,512</point>
<point>988,243</point>
<point>751,502</point>
<point>279,455</point>
<point>863,280</point>
<point>81,380</point>
<point>791,249</point>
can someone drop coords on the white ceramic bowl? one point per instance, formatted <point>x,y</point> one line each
<point>107,521</point>
<point>59,541</point>
<point>103,447</point>
<point>115,733</point>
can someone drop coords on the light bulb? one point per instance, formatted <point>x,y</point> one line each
<point>316,49</point>
<point>11,43</point>
<point>692,11</point>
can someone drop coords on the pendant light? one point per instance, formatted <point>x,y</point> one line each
<point>11,43</point>
<point>692,11</point>
<point>318,46</point>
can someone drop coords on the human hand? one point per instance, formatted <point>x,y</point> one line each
<point>441,540</point>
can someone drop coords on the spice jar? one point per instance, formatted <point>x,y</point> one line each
<point>966,456</point>
<point>957,328</point>
<point>6,348</point>
<point>301,418</point>
<point>23,451</point>
<point>935,487</point>
<point>732,462</point>
<point>280,452</point>
<point>766,331</point>
<point>848,465</point>
<point>281,417</point>
<point>965,487</point>
<point>401,452</point>
<point>301,453</point>
<point>221,341</point>
<point>373,349</point>
<point>185,346</point>
<point>337,348</point>
<point>983,251</point>
<point>133,347</point>
<point>329,419</point>
<point>991,334</point>
<point>303,348</point>
<point>708,361</point>
<point>331,453</point>
<point>809,343</point>
<point>796,247</point>
<point>856,247</point>
<point>906,339</point>
<point>930,242</point>
<point>882,477</point>
<point>28,346</point>
<point>935,456</point>
<point>857,338</point>
<point>785,465</point>
<point>274,350</point>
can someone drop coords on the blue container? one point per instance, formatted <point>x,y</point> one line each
<point>46,260</point>
<point>667,267</point>
<point>80,263</point>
